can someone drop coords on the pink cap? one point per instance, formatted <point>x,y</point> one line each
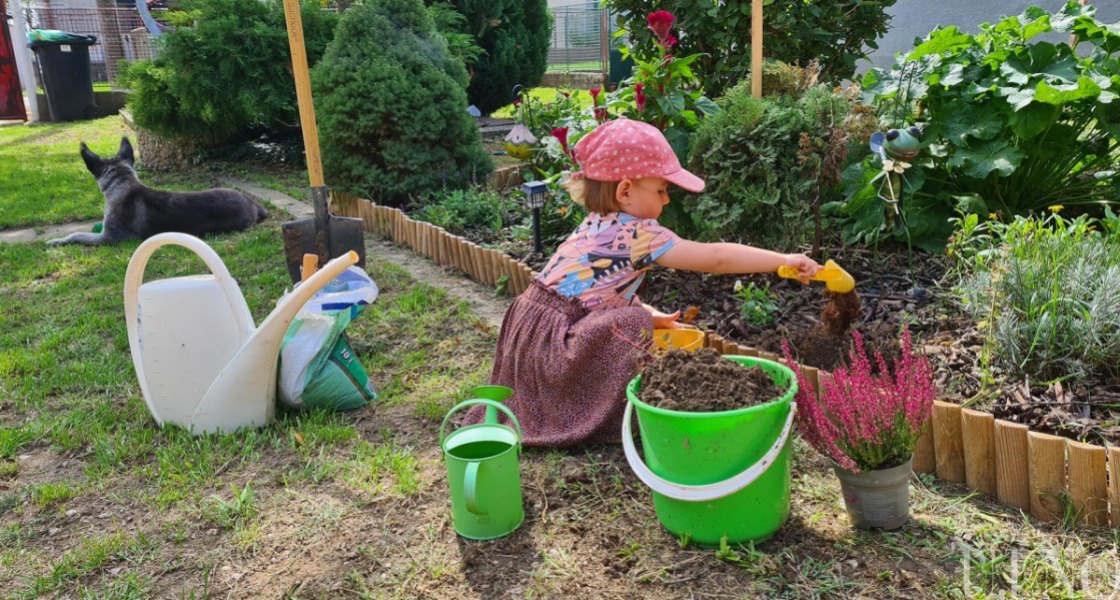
<point>625,149</point>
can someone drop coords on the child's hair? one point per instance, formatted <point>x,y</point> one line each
<point>596,196</point>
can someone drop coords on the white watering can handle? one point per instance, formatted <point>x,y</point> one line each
<point>134,276</point>
<point>708,491</point>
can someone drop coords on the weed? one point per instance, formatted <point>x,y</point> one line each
<point>758,303</point>
<point>236,511</point>
<point>51,493</point>
<point>684,539</point>
<point>9,469</point>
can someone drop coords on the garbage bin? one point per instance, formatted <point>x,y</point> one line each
<point>620,69</point>
<point>64,66</point>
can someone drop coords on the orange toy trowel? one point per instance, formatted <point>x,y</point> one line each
<point>837,279</point>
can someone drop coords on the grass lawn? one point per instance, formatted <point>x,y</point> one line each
<point>96,501</point>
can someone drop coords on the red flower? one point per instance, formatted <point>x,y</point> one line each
<point>668,41</point>
<point>517,101</point>
<point>561,134</point>
<point>639,97</point>
<point>659,23</point>
<point>594,96</point>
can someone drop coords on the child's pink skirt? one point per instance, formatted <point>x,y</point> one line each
<point>568,367</point>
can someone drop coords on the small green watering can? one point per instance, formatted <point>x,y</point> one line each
<point>482,469</point>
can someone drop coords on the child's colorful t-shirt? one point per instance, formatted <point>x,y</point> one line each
<point>605,260</point>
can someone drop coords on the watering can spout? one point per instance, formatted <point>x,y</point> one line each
<point>232,398</point>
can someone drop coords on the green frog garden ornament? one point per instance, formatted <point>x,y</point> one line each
<point>897,148</point>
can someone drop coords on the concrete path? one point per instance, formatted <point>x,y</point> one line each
<point>44,233</point>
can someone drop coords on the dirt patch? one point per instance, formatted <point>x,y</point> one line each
<point>704,381</point>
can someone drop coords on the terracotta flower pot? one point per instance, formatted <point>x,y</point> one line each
<point>877,498</point>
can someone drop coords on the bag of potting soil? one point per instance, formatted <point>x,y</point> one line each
<point>318,369</point>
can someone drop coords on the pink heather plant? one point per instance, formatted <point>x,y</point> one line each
<point>865,421</point>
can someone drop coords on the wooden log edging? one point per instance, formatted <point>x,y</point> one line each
<point>1047,476</point>
<point>483,265</point>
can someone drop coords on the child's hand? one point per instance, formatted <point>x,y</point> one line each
<point>806,267</point>
<point>664,321</point>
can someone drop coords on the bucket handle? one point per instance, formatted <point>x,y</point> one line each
<point>489,403</point>
<point>708,491</point>
<point>470,477</point>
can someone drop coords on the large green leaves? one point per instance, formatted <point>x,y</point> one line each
<point>966,120</point>
<point>994,155</point>
<point>1009,119</point>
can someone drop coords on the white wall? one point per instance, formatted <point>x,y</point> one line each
<point>916,18</point>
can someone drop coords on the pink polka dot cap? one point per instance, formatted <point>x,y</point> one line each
<point>626,149</point>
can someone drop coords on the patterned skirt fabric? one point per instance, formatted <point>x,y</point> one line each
<point>568,367</point>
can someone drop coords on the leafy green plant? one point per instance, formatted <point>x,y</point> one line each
<point>481,211</point>
<point>1047,288</point>
<point>391,107</point>
<point>1011,124</point>
<point>758,304</point>
<point>765,161</point>
<point>451,24</point>
<point>837,33</point>
<point>225,66</point>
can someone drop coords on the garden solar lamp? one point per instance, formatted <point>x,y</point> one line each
<point>535,193</point>
<point>325,235</point>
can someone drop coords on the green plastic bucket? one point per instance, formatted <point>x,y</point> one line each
<point>716,474</point>
<point>482,470</point>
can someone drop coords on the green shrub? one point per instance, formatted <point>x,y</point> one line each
<point>763,161</point>
<point>835,32</point>
<point>392,110</point>
<point>1045,292</point>
<point>1010,124</point>
<point>450,23</point>
<point>224,67</point>
<point>515,36</point>
<point>478,213</point>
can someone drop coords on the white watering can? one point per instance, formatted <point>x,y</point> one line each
<point>201,362</point>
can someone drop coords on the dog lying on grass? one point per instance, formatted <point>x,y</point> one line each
<point>133,210</point>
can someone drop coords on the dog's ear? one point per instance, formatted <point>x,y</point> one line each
<point>125,153</point>
<point>93,161</point>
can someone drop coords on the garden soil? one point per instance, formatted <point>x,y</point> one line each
<point>704,381</point>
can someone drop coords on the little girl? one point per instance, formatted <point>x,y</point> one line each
<point>566,346</point>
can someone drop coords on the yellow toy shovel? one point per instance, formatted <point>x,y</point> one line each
<point>837,279</point>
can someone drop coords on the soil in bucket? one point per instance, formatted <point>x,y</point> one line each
<point>704,381</point>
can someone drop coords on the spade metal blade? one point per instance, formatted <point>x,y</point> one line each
<point>325,236</point>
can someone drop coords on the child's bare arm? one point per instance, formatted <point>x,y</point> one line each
<point>732,258</point>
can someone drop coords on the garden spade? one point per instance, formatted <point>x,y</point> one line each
<point>325,235</point>
<point>838,280</point>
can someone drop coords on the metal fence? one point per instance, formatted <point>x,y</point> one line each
<point>577,39</point>
<point>120,34</point>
